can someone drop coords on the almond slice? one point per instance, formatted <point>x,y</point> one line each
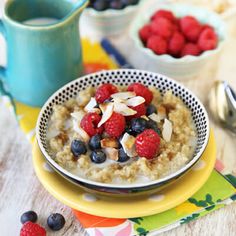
<point>167,130</point>
<point>80,131</point>
<point>155,117</point>
<point>78,116</point>
<point>123,95</point>
<point>123,109</point>
<point>107,110</point>
<point>112,153</point>
<point>128,144</point>
<point>135,101</point>
<point>109,142</point>
<point>92,103</point>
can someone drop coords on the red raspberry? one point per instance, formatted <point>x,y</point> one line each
<point>147,144</point>
<point>206,26</point>
<point>207,40</point>
<point>104,92</point>
<point>165,14</point>
<point>145,32</point>
<point>190,49</point>
<point>162,27</point>
<point>157,44</point>
<point>141,111</point>
<point>115,126</point>
<point>141,90</point>
<point>89,124</point>
<point>32,229</point>
<point>191,28</point>
<point>176,44</point>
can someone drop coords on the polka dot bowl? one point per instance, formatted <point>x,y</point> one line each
<point>124,77</point>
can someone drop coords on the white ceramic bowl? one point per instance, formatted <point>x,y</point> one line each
<point>178,68</point>
<point>108,22</point>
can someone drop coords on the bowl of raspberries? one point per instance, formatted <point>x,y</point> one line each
<point>109,17</point>
<point>178,40</point>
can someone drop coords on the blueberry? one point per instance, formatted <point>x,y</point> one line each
<point>151,124</point>
<point>138,125</point>
<point>29,216</point>
<point>56,221</point>
<point>114,4</point>
<point>123,157</point>
<point>151,109</point>
<point>100,5</point>
<point>98,156</point>
<point>78,147</point>
<point>130,131</point>
<point>94,142</point>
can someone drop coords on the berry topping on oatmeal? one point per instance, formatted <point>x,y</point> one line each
<point>121,134</point>
<point>95,142</point>
<point>90,124</point>
<point>147,144</point>
<point>115,126</point>
<point>141,90</point>
<point>98,157</point>
<point>78,148</point>
<point>104,92</point>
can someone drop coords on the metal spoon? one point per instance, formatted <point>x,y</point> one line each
<point>222,103</point>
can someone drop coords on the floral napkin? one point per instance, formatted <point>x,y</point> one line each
<point>218,191</point>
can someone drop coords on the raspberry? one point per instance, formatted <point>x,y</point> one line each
<point>104,92</point>
<point>141,111</point>
<point>145,32</point>
<point>32,229</point>
<point>207,40</point>
<point>147,144</point>
<point>206,26</point>
<point>115,126</point>
<point>89,124</point>
<point>191,28</point>
<point>162,27</point>
<point>190,49</point>
<point>164,14</point>
<point>141,90</point>
<point>176,44</point>
<point>157,44</point>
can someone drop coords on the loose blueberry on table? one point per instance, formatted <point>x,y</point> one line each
<point>29,216</point>
<point>101,5</point>
<point>56,221</point>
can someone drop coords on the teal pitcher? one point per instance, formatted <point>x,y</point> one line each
<point>43,47</point>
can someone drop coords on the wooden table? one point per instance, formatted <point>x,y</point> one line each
<point>20,189</point>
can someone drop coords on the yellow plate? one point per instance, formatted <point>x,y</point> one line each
<point>167,198</point>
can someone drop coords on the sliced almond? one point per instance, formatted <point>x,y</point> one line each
<point>135,101</point>
<point>123,95</point>
<point>167,130</point>
<point>84,136</point>
<point>128,144</point>
<point>109,142</point>
<point>155,117</point>
<point>123,109</point>
<point>144,117</point>
<point>92,103</point>
<point>107,110</point>
<point>112,153</point>
<point>78,115</point>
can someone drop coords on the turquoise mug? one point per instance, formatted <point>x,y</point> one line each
<point>43,47</point>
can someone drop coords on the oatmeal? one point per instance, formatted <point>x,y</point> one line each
<point>122,135</point>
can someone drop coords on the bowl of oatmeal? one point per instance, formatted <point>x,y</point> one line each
<point>123,131</point>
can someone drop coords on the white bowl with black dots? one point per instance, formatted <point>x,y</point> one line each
<point>124,77</point>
